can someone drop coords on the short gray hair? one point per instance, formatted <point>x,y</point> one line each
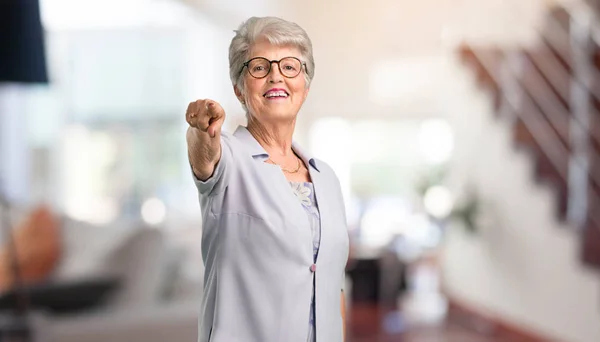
<point>276,31</point>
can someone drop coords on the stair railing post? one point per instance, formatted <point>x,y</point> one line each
<point>580,103</point>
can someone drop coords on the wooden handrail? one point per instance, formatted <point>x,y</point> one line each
<point>540,128</point>
<point>558,91</point>
<point>554,110</point>
<point>552,69</point>
<point>556,71</point>
<point>559,34</point>
<point>536,122</point>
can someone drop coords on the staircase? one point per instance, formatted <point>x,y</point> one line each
<point>550,93</point>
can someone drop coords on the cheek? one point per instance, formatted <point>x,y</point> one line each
<point>303,91</point>
<point>300,89</point>
<point>252,88</point>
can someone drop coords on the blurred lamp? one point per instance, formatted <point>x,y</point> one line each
<point>438,201</point>
<point>22,58</point>
<point>153,211</point>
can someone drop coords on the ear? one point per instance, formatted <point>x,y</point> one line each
<point>238,94</point>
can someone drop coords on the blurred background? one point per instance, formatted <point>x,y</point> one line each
<point>465,134</point>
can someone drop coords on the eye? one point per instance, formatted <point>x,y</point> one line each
<point>290,66</point>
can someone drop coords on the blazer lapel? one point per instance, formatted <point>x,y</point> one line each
<point>320,188</point>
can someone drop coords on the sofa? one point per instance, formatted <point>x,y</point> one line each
<point>156,298</point>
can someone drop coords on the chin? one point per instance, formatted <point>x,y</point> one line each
<point>279,111</point>
<point>279,115</point>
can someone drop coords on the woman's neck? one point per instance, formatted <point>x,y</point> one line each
<point>275,138</point>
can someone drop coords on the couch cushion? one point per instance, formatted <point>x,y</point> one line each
<point>140,264</point>
<point>87,248</point>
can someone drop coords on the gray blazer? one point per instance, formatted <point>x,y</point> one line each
<point>258,252</point>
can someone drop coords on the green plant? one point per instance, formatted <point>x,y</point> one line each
<point>468,211</point>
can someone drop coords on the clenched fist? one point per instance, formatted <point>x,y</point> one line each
<point>205,115</point>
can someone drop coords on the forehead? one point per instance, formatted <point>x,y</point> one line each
<point>265,49</point>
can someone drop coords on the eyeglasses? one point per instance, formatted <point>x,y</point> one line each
<point>260,67</point>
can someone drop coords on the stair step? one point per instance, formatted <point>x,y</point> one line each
<point>558,82</point>
<point>486,81</point>
<point>545,82</point>
<point>591,245</point>
<point>548,174</point>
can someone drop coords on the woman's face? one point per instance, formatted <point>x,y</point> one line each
<point>274,97</point>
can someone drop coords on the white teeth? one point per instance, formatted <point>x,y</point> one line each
<point>276,94</point>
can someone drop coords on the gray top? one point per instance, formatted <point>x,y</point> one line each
<point>257,248</point>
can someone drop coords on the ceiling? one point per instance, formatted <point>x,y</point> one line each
<point>381,56</point>
<point>388,56</point>
<point>385,24</point>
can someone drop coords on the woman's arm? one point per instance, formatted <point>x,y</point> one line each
<point>343,312</point>
<point>205,118</point>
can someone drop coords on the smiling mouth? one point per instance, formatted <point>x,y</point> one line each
<point>276,94</point>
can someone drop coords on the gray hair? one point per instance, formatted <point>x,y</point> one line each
<point>276,31</point>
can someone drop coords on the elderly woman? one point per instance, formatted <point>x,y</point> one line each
<point>274,242</point>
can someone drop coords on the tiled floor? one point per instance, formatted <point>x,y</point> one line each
<point>366,326</point>
<point>446,334</point>
<point>431,334</point>
<point>418,317</point>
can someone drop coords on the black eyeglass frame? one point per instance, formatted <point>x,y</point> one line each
<point>245,65</point>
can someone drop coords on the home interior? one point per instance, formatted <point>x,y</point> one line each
<point>465,133</point>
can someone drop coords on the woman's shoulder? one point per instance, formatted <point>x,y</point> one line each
<point>236,147</point>
<point>230,141</point>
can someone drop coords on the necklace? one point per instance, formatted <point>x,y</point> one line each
<point>286,170</point>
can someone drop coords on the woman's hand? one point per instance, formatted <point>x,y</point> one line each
<point>205,115</point>
<point>205,118</point>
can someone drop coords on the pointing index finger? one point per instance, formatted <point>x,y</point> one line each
<point>213,112</point>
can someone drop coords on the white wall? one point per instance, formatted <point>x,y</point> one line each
<point>523,266</point>
<point>352,39</point>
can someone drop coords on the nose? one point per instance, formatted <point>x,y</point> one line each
<point>275,75</point>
